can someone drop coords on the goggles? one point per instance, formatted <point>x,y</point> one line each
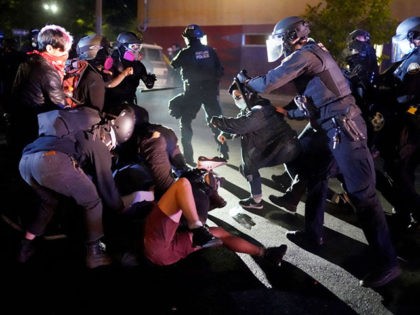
<point>134,47</point>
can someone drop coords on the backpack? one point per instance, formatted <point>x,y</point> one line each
<point>74,71</point>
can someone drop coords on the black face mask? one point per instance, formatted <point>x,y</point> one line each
<point>364,49</point>
<point>100,58</point>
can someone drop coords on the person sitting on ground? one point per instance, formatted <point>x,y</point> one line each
<point>165,243</point>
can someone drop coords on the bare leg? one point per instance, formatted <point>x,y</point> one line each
<point>179,197</point>
<point>236,243</point>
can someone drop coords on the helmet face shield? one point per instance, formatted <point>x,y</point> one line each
<point>401,46</point>
<point>275,47</point>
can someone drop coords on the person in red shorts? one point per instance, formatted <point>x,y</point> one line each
<point>165,243</point>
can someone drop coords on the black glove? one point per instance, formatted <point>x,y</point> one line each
<point>242,76</point>
<point>150,80</point>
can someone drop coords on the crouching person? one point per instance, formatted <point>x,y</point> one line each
<point>266,138</point>
<point>78,166</point>
<point>165,243</point>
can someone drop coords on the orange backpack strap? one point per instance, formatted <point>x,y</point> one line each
<point>71,80</point>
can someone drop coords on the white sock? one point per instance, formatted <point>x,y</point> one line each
<point>257,198</point>
<point>137,196</point>
<point>195,225</point>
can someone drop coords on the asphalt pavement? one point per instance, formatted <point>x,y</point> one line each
<point>215,280</point>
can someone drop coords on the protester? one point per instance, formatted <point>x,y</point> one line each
<point>165,244</point>
<point>38,85</point>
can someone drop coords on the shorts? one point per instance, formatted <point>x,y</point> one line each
<point>163,243</point>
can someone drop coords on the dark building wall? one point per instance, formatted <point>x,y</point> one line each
<point>227,40</point>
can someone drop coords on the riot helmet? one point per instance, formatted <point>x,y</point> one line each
<point>192,31</point>
<point>403,40</point>
<point>129,45</point>
<point>285,35</point>
<point>357,41</point>
<point>359,47</point>
<point>93,48</point>
<point>123,124</point>
<point>88,47</point>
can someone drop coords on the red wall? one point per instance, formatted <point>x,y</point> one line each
<point>227,42</point>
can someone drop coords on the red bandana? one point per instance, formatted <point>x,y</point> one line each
<point>58,63</point>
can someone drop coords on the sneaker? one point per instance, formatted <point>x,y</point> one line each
<point>96,255</point>
<point>304,240</point>
<point>203,238</point>
<point>380,278</point>
<point>283,204</point>
<point>225,156</point>
<point>250,203</point>
<point>191,163</point>
<point>26,250</point>
<point>210,163</point>
<point>275,254</point>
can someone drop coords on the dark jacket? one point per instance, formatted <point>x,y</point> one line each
<point>92,156</point>
<point>156,147</point>
<point>199,65</point>
<point>90,90</point>
<point>408,74</point>
<point>38,86</point>
<point>126,90</point>
<point>266,138</point>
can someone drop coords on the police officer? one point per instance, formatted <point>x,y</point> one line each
<point>201,71</point>
<point>126,55</point>
<point>332,107</point>
<point>403,129</point>
<point>361,59</point>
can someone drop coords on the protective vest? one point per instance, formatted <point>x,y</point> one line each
<point>329,85</point>
<point>64,122</point>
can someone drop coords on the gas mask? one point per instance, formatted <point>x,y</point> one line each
<point>132,52</point>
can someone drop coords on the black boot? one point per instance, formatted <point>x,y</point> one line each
<point>26,250</point>
<point>216,201</point>
<point>203,238</point>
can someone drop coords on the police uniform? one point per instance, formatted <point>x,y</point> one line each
<point>318,77</point>
<point>201,71</point>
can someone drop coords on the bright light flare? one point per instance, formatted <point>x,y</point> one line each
<point>51,7</point>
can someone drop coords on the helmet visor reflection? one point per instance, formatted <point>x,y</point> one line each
<point>400,48</point>
<point>275,47</point>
